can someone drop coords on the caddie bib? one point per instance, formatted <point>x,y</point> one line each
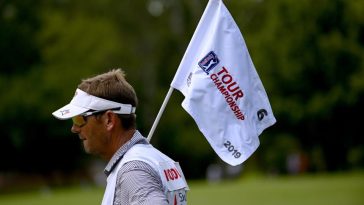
<point>173,180</point>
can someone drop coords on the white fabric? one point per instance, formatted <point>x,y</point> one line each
<point>83,102</point>
<point>173,180</point>
<point>223,92</point>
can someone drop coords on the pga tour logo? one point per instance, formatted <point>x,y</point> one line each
<point>209,62</point>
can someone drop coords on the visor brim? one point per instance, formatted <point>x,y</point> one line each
<point>68,111</point>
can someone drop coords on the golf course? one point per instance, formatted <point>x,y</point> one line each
<point>320,189</point>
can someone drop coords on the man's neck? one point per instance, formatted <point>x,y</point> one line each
<point>118,140</point>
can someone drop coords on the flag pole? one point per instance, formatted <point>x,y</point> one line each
<point>161,110</point>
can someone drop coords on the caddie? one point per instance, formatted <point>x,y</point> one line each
<point>103,114</point>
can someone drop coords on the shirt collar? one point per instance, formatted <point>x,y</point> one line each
<point>136,139</point>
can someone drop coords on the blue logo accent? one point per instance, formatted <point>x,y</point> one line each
<point>209,62</point>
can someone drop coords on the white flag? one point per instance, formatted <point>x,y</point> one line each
<point>223,92</point>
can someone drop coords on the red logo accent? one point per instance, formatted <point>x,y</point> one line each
<point>229,89</point>
<point>171,174</point>
<point>175,200</point>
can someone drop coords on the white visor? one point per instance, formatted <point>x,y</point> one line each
<point>83,102</point>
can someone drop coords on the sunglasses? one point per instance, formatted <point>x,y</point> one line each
<point>81,120</point>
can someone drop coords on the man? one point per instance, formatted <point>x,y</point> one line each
<point>103,115</point>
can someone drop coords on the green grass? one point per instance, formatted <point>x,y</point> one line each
<point>332,189</point>
<point>59,196</point>
<point>336,189</point>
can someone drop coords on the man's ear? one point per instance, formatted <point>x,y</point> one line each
<point>110,120</point>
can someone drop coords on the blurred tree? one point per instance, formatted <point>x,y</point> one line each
<point>19,54</point>
<point>310,59</point>
<point>17,33</point>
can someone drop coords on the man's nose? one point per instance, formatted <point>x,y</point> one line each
<point>75,129</point>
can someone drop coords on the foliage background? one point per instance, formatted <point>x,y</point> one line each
<point>309,55</point>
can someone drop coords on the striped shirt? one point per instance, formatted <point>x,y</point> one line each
<point>137,182</point>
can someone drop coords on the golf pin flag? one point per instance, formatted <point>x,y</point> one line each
<point>223,92</point>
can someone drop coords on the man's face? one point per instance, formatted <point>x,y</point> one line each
<point>93,135</point>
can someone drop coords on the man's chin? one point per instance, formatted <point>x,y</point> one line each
<point>86,148</point>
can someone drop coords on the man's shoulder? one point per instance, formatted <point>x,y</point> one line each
<point>135,165</point>
<point>146,153</point>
